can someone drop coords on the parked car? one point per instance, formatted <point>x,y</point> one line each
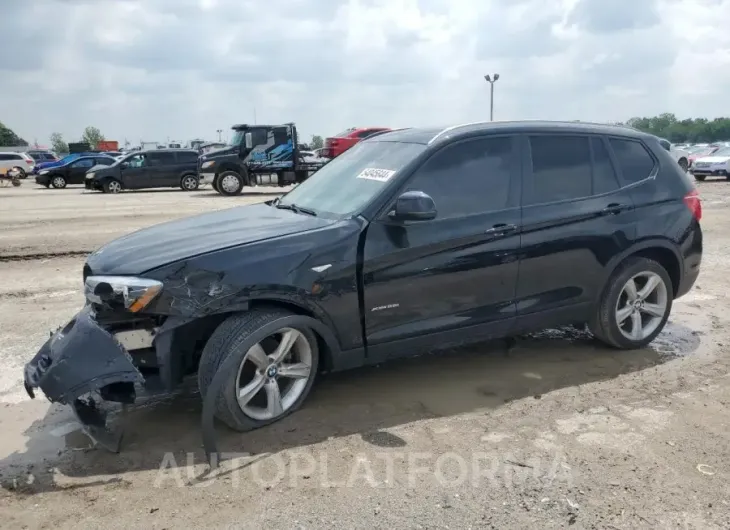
<point>680,156</point>
<point>39,155</point>
<point>20,162</point>
<point>715,165</point>
<point>63,161</point>
<point>339,143</point>
<point>158,168</point>
<point>415,240</point>
<point>73,172</point>
<point>699,152</point>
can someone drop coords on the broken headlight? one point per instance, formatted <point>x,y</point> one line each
<point>128,292</point>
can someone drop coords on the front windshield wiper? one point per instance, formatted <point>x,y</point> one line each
<point>294,208</point>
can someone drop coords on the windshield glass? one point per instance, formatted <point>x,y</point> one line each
<point>723,151</point>
<point>350,181</point>
<point>237,138</point>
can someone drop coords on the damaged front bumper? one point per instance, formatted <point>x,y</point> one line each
<point>79,359</point>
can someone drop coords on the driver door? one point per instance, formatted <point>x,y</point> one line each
<point>452,278</point>
<point>135,174</point>
<point>77,170</point>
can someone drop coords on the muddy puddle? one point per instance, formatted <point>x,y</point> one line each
<point>44,441</point>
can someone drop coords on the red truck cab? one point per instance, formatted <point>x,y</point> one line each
<point>339,143</point>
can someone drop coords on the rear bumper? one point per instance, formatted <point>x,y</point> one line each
<point>79,358</point>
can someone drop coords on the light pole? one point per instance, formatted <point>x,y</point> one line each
<point>491,80</point>
<point>219,131</point>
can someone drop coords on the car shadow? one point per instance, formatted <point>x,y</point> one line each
<point>208,193</point>
<point>364,402</point>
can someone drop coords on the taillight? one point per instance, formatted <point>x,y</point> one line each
<point>692,200</point>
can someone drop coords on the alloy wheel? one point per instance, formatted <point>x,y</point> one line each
<point>115,187</point>
<point>641,306</point>
<point>189,183</point>
<point>273,374</point>
<point>59,182</point>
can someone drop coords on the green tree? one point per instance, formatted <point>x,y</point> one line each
<point>57,143</point>
<point>9,139</point>
<point>688,130</point>
<point>317,142</point>
<point>92,136</point>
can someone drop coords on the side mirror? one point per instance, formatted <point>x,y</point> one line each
<point>413,206</point>
<point>124,165</point>
<point>248,139</point>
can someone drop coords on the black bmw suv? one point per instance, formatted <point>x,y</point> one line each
<point>412,240</point>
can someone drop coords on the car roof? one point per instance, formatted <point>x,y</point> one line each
<point>431,135</point>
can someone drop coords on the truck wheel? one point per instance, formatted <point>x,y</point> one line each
<point>214,184</point>
<point>635,305</point>
<point>112,186</point>
<point>58,182</point>
<point>230,183</point>
<point>189,182</point>
<point>275,369</point>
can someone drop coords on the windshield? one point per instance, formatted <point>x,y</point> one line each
<point>237,138</point>
<point>350,181</point>
<point>66,159</point>
<point>723,151</point>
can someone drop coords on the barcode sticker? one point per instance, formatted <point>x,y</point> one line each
<point>371,173</point>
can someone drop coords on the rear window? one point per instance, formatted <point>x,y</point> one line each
<point>634,161</point>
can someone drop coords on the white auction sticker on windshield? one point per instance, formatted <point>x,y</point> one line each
<point>371,173</point>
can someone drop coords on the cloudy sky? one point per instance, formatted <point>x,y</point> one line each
<point>179,69</point>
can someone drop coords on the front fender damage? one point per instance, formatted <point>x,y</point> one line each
<point>77,360</point>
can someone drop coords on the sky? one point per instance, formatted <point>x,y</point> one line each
<point>159,70</point>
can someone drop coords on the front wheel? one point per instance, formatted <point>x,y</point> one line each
<point>189,183</point>
<point>112,186</point>
<point>58,182</point>
<point>273,376</point>
<point>635,305</point>
<point>230,183</point>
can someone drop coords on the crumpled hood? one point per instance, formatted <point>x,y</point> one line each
<point>714,159</point>
<point>173,241</point>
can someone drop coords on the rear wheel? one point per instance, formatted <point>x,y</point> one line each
<point>274,374</point>
<point>189,182</point>
<point>112,186</point>
<point>230,183</point>
<point>21,172</point>
<point>700,177</point>
<point>58,182</point>
<point>634,306</point>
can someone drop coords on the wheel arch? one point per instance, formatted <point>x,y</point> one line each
<point>662,251</point>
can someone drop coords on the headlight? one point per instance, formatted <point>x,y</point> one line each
<point>90,175</point>
<point>44,172</point>
<point>134,294</point>
<point>209,163</point>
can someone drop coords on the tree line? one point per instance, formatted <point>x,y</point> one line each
<point>697,130</point>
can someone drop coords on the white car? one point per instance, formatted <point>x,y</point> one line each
<point>715,165</point>
<point>21,161</point>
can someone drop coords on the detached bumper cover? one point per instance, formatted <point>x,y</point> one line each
<point>80,358</point>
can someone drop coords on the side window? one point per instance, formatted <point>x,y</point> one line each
<point>104,161</point>
<point>4,157</point>
<point>160,159</point>
<point>469,177</point>
<point>561,169</point>
<point>83,163</point>
<point>281,135</point>
<point>136,161</point>
<point>633,159</point>
<point>604,177</point>
<point>16,157</point>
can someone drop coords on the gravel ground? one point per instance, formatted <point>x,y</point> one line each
<point>556,432</point>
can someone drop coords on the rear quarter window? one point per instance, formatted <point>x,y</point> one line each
<point>634,161</point>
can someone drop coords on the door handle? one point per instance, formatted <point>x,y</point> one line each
<point>613,209</point>
<point>501,229</point>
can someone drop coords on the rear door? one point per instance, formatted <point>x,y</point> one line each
<point>162,170</point>
<point>76,170</point>
<point>576,216</point>
<point>454,272</point>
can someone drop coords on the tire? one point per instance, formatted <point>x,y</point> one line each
<point>230,183</point>
<point>683,164</point>
<point>21,172</point>
<point>605,322</point>
<point>233,337</point>
<point>214,184</point>
<point>189,182</point>
<point>112,186</point>
<point>58,182</point>
<point>700,178</point>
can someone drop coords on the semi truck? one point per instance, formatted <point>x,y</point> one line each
<point>253,155</point>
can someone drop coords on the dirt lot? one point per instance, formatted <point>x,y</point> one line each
<point>557,432</point>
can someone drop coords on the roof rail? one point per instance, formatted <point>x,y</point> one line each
<point>453,127</point>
